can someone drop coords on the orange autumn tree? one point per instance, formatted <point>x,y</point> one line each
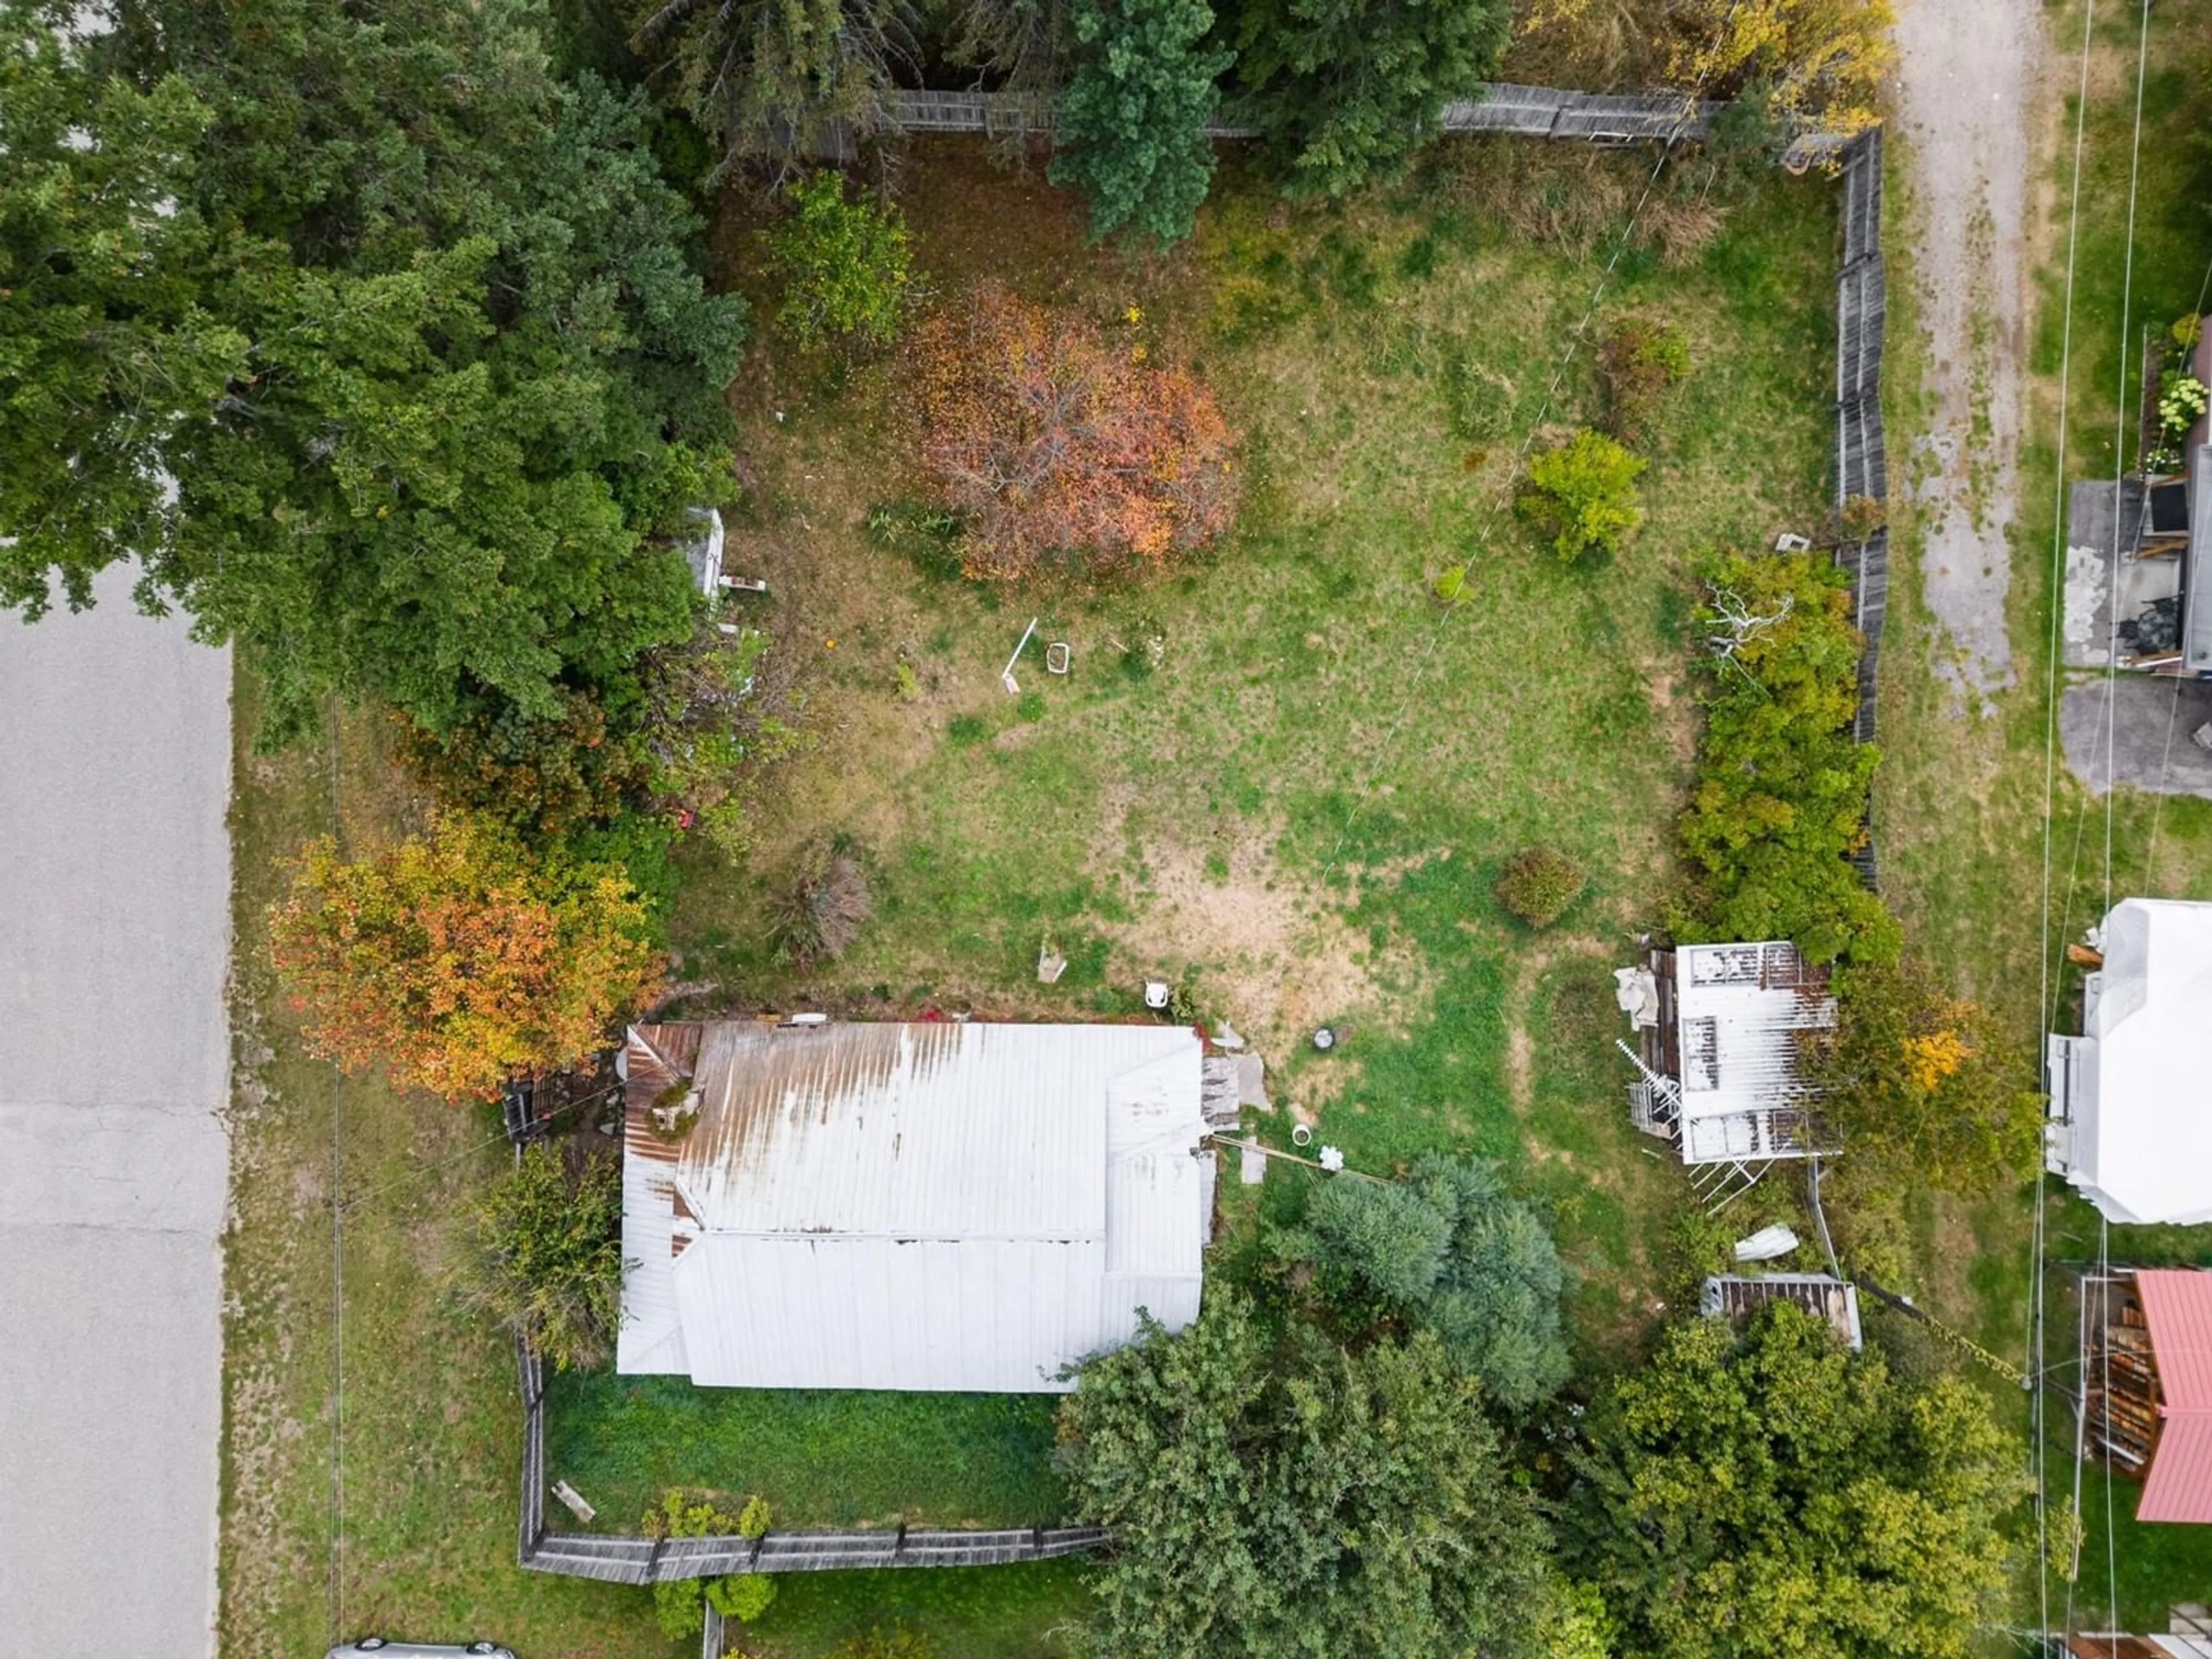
<point>455,957</point>
<point>1051,444</point>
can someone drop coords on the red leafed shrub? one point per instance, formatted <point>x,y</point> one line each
<point>1050,443</point>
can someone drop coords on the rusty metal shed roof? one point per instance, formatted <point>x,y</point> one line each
<point>925,1206</point>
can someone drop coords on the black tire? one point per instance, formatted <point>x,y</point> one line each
<point>368,1644</point>
<point>482,1647</point>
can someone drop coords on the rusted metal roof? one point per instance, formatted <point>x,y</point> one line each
<point>924,1206</point>
<point>2177,1305</point>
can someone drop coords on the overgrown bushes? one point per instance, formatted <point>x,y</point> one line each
<point>844,267</point>
<point>545,1254</point>
<point>827,905</point>
<point>1924,1087</point>
<point>1539,884</point>
<point>1582,493</point>
<point>1780,802</point>
<point>1450,1250</point>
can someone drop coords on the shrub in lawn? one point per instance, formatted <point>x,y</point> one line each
<point>1538,885</point>
<point>826,906</point>
<point>843,265</point>
<point>1641,361</point>
<point>964,731</point>
<point>752,1520</point>
<point>1054,446</point>
<point>1582,493</point>
<point>545,1255</point>
<point>743,1596</point>
<point>1030,708</point>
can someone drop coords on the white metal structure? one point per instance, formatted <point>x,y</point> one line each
<point>2130,1113</point>
<point>947,1205</point>
<point>1720,1027</point>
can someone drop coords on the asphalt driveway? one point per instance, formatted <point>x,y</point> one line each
<point>114,942</point>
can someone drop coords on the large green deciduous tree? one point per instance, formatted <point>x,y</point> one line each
<point>1450,1250</point>
<point>1345,91</point>
<point>465,372</point>
<point>1131,130</point>
<point>1778,1496</point>
<point>1298,1499</point>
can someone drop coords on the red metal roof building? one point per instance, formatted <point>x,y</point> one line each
<point>2147,1402</point>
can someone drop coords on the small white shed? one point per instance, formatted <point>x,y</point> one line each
<point>2130,1113</point>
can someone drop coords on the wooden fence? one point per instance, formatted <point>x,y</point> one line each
<point>1862,307</point>
<point>1524,112</point>
<point>639,1560</point>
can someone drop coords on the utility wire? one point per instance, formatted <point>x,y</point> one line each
<point>2037,1306</point>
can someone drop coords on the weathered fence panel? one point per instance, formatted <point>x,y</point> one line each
<point>1526,112</point>
<point>1861,308</point>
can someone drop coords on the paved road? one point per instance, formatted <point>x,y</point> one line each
<point>115,940</point>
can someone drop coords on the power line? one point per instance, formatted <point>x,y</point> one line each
<point>2120,451</point>
<point>2039,1308</point>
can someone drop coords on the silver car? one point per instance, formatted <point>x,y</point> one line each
<point>417,1650</point>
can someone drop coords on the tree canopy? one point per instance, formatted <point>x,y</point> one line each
<point>1345,91</point>
<point>1131,127</point>
<point>1776,1495</point>
<point>411,365</point>
<point>1287,1499</point>
<point>758,72</point>
<point>1924,1087</point>
<point>1054,446</point>
<point>455,958</point>
<point>1450,1250</point>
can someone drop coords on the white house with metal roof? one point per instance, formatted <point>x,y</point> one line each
<point>1720,1030</point>
<point>2131,1114</point>
<point>928,1205</point>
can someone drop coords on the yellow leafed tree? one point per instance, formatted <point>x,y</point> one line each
<point>1816,63</point>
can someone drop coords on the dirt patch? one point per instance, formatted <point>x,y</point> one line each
<point>1271,957</point>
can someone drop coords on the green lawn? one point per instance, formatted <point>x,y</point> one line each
<point>1961,799</point>
<point>820,1457</point>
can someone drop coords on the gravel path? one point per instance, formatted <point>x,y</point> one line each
<point>1966,72</point>
<point>114,939</point>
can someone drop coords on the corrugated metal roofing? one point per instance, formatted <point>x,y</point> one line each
<point>927,1206</point>
<point>2177,1305</point>
<point>1739,1011</point>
